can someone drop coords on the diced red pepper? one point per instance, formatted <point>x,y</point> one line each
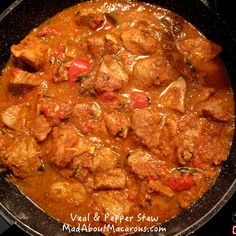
<point>55,110</point>
<point>181,183</point>
<point>107,96</point>
<point>15,71</point>
<point>139,100</point>
<point>78,67</point>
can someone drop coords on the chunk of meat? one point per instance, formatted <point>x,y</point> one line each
<point>144,165</point>
<point>22,82</point>
<point>154,71</point>
<point>66,144</point>
<point>139,42</point>
<point>40,128</point>
<point>157,186</point>
<point>15,116</point>
<point>146,125</point>
<point>174,95</point>
<point>67,192</point>
<point>117,124</point>
<point>54,109</point>
<point>31,51</point>
<point>114,203</point>
<point>199,49</point>
<point>110,76</point>
<point>99,45</point>
<point>111,179</point>
<point>91,20</point>
<point>23,157</point>
<point>105,159</point>
<point>215,110</point>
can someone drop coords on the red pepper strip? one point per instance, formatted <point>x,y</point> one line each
<point>181,183</point>
<point>78,67</point>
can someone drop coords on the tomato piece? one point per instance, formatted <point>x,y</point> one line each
<point>107,97</point>
<point>55,110</point>
<point>78,67</point>
<point>139,100</point>
<point>181,183</point>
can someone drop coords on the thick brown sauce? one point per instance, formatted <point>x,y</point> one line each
<point>37,186</point>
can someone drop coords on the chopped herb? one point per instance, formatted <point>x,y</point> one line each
<point>112,18</point>
<point>41,168</point>
<point>120,132</point>
<point>188,170</point>
<point>189,63</point>
<point>148,99</point>
<point>75,171</point>
<point>123,104</point>
<point>81,77</point>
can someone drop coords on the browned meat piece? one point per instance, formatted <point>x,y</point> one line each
<point>110,76</point>
<point>144,165</point>
<point>66,144</point>
<point>99,45</point>
<point>91,20</point>
<point>15,116</point>
<point>114,203</point>
<point>22,157</point>
<point>111,179</point>
<point>146,125</point>
<point>154,71</point>
<point>22,81</point>
<point>40,128</point>
<point>174,95</point>
<point>139,42</point>
<point>215,110</point>
<point>199,49</point>
<point>104,159</point>
<point>157,186</point>
<point>117,124</point>
<point>67,192</point>
<point>31,51</point>
<point>54,110</point>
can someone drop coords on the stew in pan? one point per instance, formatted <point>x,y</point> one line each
<point>115,109</point>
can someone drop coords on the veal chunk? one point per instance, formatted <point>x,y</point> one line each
<point>110,76</point>
<point>199,49</point>
<point>22,157</point>
<point>40,128</point>
<point>22,81</point>
<point>139,42</point>
<point>174,95</point>
<point>117,124</point>
<point>144,165</point>
<point>105,159</point>
<point>99,45</point>
<point>111,179</point>
<point>215,110</point>
<point>155,70</point>
<point>91,20</point>
<point>66,144</point>
<point>146,125</point>
<point>31,51</point>
<point>15,116</point>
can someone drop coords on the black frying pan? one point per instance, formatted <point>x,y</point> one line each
<point>21,18</point>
